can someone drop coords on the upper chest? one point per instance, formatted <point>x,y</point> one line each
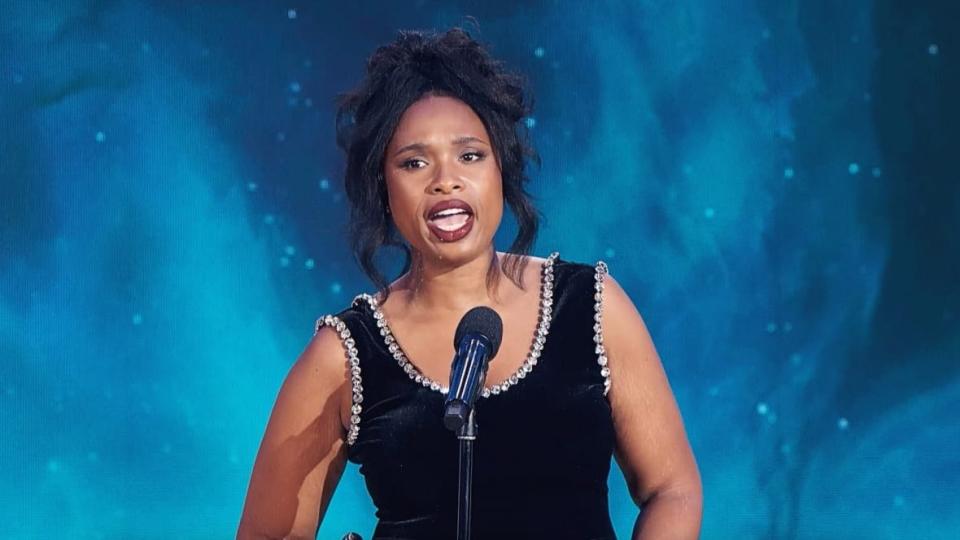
<point>423,342</point>
<point>428,342</point>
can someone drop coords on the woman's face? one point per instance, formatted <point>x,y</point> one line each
<point>441,152</point>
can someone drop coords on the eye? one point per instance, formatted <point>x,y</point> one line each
<point>479,156</point>
<point>408,164</point>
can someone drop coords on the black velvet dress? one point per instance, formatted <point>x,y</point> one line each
<point>545,435</point>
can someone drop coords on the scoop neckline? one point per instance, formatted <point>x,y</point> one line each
<point>545,316</point>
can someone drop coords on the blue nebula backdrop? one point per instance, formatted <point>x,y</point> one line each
<point>774,184</point>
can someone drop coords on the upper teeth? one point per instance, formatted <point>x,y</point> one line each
<point>450,212</point>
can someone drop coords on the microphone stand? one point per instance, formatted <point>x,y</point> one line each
<point>478,335</point>
<point>467,434</point>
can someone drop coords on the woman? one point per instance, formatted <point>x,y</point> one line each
<point>434,149</point>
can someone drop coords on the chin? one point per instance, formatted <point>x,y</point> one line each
<point>464,248</point>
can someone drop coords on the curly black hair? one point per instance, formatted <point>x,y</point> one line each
<point>398,74</point>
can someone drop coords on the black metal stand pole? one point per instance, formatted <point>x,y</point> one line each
<point>467,434</point>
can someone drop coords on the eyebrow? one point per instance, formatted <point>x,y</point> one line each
<point>459,141</point>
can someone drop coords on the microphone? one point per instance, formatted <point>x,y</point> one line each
<point>476,341</point>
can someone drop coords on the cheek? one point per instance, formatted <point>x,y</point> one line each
<point>403,209</point>
<point>496,194</point>
<point>398,198</point>
<point>495,205</point>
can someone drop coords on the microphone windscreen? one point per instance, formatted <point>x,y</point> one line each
<point>481,320</point>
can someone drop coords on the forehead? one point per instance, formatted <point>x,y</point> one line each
<point>437,118</point>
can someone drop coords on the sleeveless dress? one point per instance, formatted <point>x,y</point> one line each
<point>545,435</point>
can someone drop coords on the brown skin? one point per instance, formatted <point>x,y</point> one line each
<point>439,151</point>
<point>303,452</point>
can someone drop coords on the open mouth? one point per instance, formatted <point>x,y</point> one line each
<point>450,219</point>
<point>451,225</point>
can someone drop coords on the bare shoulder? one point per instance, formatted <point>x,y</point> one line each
<point>326,357</point>
<point>326,349</point>
<point>635,363</point>
<point>317,378</point>
<point>652,447</point>
<point>303,451</point>
<point>624,317</point>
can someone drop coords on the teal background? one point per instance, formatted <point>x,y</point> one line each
<point>774,184</point>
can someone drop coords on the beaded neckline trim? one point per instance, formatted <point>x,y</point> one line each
<point>543,327</point>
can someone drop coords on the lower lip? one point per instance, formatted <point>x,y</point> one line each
<point>452,236</point>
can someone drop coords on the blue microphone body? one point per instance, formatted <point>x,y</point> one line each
<point>476,343</point>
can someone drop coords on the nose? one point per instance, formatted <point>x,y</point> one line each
<point>445,181</point>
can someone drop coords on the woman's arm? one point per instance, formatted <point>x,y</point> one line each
<point>303,452</point>
<point>652,447</point>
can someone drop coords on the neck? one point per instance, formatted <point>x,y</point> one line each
<point>437,285</point>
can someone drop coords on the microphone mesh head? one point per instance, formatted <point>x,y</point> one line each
<point>481,320</point>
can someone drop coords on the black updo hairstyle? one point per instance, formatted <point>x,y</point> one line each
<point>400,73</point>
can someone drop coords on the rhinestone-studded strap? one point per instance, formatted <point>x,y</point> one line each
<point>601,271</point>
<point>351,351</point>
